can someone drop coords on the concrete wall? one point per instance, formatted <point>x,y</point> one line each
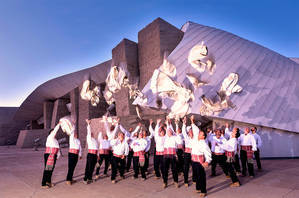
<point>26,137</point>
<point>9,129</point>
<point>276,143</point>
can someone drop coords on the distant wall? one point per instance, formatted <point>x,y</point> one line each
<point>9,129</point>
<point>276,142</point>
<point>26,137</point>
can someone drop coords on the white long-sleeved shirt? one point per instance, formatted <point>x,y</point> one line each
<point>187,139</point>
<point>258,140</point>
<point>200,147</point>
<point>215,145</point>
<point>92,143</point>
<point>170,142</point>
<point>75,143</point>
<point>180,136</point>
<point>227,133</point>
<point>51,140</point>
<point>247,140</point>
<point>119,148</point>
<point>127,133</point>
<point>149,141</point>
<point>158,139</point>
<point>111,134</point>
<point>139,145</point>
<point>103,144</point>
<point>230,145</point>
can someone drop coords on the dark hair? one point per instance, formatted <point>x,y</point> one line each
<point>238,133</point>
<point>204,134</point>
<point>112,127</point>
<point>50,131</point>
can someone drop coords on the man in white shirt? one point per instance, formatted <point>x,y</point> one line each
<point>120,149</point>
<point>170,146</point>
<point>104,153</point>
<point>131,136</point>
<point>248,146</point>
<point>201,157</point>
<point>148,139</point>
<point>188,136</point>
<point>230,148</point>
<point>139,145</point>
<point>180,150</point>
<point>51,155</point>
<point>159,135</point>
<point>92,156</point>
<point>218,154</point>
<point>75,152</point>
<point>259,145</point>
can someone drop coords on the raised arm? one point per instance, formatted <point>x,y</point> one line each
<point>195,128</point>
<point>100,137</point>
<point>55,130</point>
<point>136,129</point>
<point>127,133</point>
<point>157,127</point>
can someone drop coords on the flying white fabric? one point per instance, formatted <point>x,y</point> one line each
<point>92,95</point>
<point>195,81</point>
<point>66,124</point>
<point>198,59</point>
<point>229,84</point>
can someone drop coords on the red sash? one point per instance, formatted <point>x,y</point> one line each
<point>229,154</point>
<point>159,153</point>
<point>198,158</point>
<point>92,151</point>
<point>188,150</point>
<point>141,156</point>
<point>75,151</point>
<point>115,155</point>
<point>248,150</point>
<point>218,153</point>
<point>51,158</point>
<point>104,151</point>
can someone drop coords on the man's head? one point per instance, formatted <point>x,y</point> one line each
<point>162,131</point>
<point>179,131</point>
<point>253,130</point>
<point>105,137</point>
<point>130,129</point>
<point>218,133</point>
<point>202,135</point>
<point>140,135</point>
<point>121,136</point>
<point>112,127</point>
<point>76,135</point>
<point>144,133</point>
<point>246,131</point>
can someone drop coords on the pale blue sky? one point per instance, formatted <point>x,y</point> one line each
<point>44,39</point>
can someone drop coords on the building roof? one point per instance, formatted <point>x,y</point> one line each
<point>32,107</point>
<point>270,81</point>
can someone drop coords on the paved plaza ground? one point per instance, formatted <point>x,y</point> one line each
<point>21,172</point>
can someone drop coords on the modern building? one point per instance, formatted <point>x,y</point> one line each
<point>268,99</point>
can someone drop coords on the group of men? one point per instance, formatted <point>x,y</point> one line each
<point>178,148</point>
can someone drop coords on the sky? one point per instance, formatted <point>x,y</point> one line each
<point>44,39</point>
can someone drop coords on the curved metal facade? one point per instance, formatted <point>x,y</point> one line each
<point>270,81</point>
<point>32,107</point>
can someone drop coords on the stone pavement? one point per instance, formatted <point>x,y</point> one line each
<point>21,172</point>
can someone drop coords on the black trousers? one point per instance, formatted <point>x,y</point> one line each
<point>47,174</point>
<point>158,165</point>
<point>236,164</point>
<point>221,160</point>
<point>72,162</point>
<point>90,164</point>
<point>232,173</point>
<point>117,164</point>
<point>129,160</point>
<point>107,159</point>
<point>257,159</point>
<point>180,162</point>
<point>146,163</point>
<point>187,164</point>
<point>245,163</point>
<point>137,166</point>
<point>167,162</point>
<point>200,177</point>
